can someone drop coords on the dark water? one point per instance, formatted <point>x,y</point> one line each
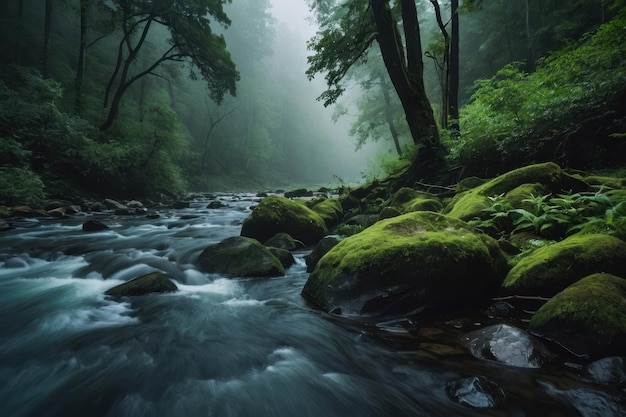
<point>222,347</point>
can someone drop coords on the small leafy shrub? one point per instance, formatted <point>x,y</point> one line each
<point>554,217</point>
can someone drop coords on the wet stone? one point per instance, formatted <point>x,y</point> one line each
<point>477,392</point>
<point>508,345</point>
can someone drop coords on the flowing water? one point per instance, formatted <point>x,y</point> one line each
<point>219,346</point>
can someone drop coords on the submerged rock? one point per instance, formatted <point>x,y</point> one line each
<point>588,402</point>
<point>284,256</point>
<point>552,268</point>
<point>588,318</point>
<point>477,392</point>
<point>508,345</point>
<point>410,263</point>
<point>154,282</point>
<point>610,370</point>
<point>276,214</point>
<point>240,256</point>
<point>94,226</point>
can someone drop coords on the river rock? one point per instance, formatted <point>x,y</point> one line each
<point>322,247</point>
<point>477,392</point>
<point>284,256</point>
<point>4,226</point>
<point>330,211</point>
<point>94,226</point>
<point>114,204</point>
<point>410,263</point>
<point>276,214</point>
<point>300,192</point>
<point>154,282</point>
<point>508,345</point>
<point>407,200</point>
<point>216,204</point>
<point>551,269</point>
<point>282,241</point>
<point>588,318</point>
<point>611,370</point>
<point>240,256</point>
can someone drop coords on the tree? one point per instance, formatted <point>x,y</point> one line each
<point>342,41</point>
<point>191,41</point>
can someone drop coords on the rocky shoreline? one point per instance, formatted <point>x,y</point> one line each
<point>536,235</point>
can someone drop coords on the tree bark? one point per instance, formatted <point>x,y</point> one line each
<point>407,78</point>
<point>453,86</point>
<point>445,67</point>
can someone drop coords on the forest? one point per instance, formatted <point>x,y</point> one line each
<point>312,208</point>
<point>131,98</point>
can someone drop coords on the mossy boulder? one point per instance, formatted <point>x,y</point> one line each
<point>550,269</point>
<point>283,255</point>
<point>410,263</point>
<point>423,204</point>
<point>239,256</point>
<point>154,282</point>
<point>276,214</point>
<point>408,199</point>
<point>588,318</point>
<point>470,204</point>
<point>330,210</point>
<point>282,241</point>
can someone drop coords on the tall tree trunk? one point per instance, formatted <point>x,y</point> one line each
<point>407,78</point>
<point>444,77</point>
<point>453,82</point>
<point>388,116</point>
<point>82,52</point>
<point>46,38</point>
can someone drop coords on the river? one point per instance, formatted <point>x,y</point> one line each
<point>220,346</point>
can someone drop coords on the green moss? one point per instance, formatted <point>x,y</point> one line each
<point>610,182</point>
<point>330,211</point>
<point>516,196</point>
<point>423,204</point>
<point>470,204</point>
<point>552,268</point>
<point>154,282</point>
<point>421,250</point>
<point>240,257</point>
<point>588,317</point>
<point>276,214</point>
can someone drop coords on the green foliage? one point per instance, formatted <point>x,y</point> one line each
<point>345,34</point>
<point>19,186</point>
<point>554,217</point>
<point>513,113</point>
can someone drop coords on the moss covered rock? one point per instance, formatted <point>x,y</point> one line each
<point>330,211</point>
<point>552,268</point>
<point>407,200</point>
<point>276,214</point>
<point>154,282</point>
<point>405,264</point>
<point>588,318</point>
<point>240,256</point>
<point>470,204</point>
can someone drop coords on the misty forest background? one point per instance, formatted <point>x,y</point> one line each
<point>96,101</point>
